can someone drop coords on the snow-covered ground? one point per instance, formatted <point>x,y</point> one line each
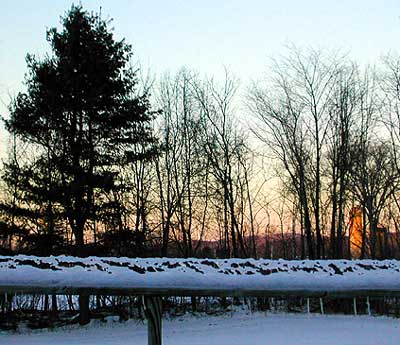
<point>239,328</point>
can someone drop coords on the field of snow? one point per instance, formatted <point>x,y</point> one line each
<point>238,328</point>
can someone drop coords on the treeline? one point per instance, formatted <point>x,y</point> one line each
<point>101,163</point>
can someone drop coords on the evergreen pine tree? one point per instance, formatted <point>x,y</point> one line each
<point>82,112</point>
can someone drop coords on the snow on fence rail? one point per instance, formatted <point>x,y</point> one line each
<point>155,277</point>
<point>198,277</point>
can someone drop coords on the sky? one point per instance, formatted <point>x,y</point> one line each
<point>205,35</point>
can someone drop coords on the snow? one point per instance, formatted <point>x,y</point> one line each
<point>198,276</point>
<point>230,329</point>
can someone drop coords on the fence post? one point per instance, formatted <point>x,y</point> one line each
<point>153,312</point>
<point>321,304</point>
<point>368,306</point>
<point>355,305</point>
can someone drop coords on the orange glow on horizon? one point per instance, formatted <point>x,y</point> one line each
<point>356,229</point>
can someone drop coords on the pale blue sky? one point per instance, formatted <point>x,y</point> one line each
<point>206,34</point>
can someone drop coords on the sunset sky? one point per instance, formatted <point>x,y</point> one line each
<point>206,35</point>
